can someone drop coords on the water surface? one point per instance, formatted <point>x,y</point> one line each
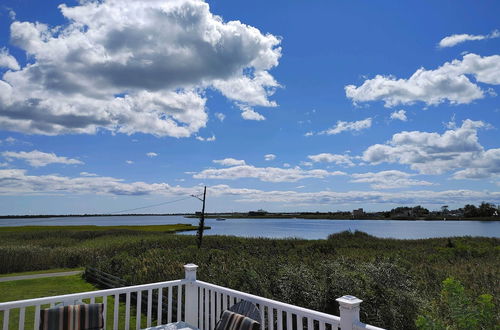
<point>281,228</point>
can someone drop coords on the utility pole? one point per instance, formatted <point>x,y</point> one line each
<point>201,226</point>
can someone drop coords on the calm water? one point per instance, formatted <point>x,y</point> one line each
<point>281,228</point>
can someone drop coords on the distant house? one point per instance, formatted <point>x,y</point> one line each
<point>358,213</point>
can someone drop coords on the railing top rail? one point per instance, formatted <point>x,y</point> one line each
<point>88,294</point>
<point>273,303</point>
<point>362,326</point>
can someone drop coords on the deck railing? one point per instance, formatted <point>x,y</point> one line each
<point>190,300</point>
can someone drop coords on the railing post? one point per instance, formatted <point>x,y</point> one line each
<point>349,311</point>
<point>191,302</point>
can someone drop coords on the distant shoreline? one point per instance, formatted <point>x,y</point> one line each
<point>311,216</point>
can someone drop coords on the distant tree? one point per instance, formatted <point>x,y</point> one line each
<point>420,211</point>
<point>470,211</point>
<point>486,209</point>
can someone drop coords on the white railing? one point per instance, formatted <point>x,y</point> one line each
<point>195,302</point>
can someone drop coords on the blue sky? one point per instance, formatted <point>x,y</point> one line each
<point>281,105</point>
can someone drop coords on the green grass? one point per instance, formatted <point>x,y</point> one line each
<point>150,228</point>
<point>45,271</point>
<point>36,288</point>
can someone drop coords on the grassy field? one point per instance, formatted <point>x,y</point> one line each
<point>395,278</point>
<point>35,288</point>
<point>151,228</point>
<point>45,271</point>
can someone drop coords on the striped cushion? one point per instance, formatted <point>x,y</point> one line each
<point>235,321</point>
<point>72,317</point>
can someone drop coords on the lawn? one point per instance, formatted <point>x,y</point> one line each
<point>150,228</point>
<point>35,288</point>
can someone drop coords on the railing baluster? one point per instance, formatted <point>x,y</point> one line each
<point>217,305</point>
<point>212,309</point>
<point>321,325</point>
<point>36,326</point>
<point>92,300</point>
<point>115,311</point>
<point>207,307</point>
<point>279,319</point>
<point>200,307</point>
<point>138,310</point>
<point>270,317</point>
<point>105,310</point>
<point>224,302</point>
<point>22,312</point>
<point>289,324</point>
<point>127,311</point>
<point>160,307</point>
<point>150,308</point>
<point>299,322</point>
<point>169,306</point>
<point>179,303</point>
<point>6,319</point>
<point>261,309</point>
<point>310,323</point>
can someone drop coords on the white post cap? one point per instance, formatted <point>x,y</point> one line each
<point>190,271</point>
<point>349,301</point>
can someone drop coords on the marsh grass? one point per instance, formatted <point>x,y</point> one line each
<point>395,278</point>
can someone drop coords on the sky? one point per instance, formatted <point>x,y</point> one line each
<point>117,106</point>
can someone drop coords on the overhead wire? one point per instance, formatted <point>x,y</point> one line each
<point>153,205</point>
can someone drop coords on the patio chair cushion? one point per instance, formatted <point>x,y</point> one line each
<point>234,321</point>
<point>73,317</point>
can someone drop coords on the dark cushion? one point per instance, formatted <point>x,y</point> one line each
<point>73,317</point>
<point>235,321</point>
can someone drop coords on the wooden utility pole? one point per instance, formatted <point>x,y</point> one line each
<point>201,226</point>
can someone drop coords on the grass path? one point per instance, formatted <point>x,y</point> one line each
<point>148,228</point>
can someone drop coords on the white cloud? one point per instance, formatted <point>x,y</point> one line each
<point>220,116</point>
<point>87,174</point>
<point>128,67</point>
<point>8,61</point>
<point>448,82</point>
<point>344,160</point>
<point>208,139</point>
<point>486,165</point>
<point>434,153</point>
<point>151,154</point>
<point>229,162</point>
<point>342,126</point>
<point>267,174</point>
<point>18,182</point>
<point>286,165</point>
<point>130,162</point>
<point>269,157</point>
<point>388,179</point>
<point>38,159</point>
<point>456,39</point>
<point>250,114</point>
<point>399,115</point>
<point>309,134</point>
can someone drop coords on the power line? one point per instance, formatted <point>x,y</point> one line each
<point>145,207</point>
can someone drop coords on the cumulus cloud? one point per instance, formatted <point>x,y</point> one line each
<point>130,162</point>
<point>19,182</point>
<point>220,116</point>
<point>87,174</point>
<point>343,126</point>
<point>248,113</point>
<point>267,174</point>
<point>37,158</point>
<point>448,82</point>
<point>207,139</point>
<point>344,160</point>
<point>434,153</point>
<point>151,154</point>
<point>269,157</point>
<point>399,115</point>
<point>456,39</point>
<point>388,179</point>
<point>130,67</point>
<point>229,162</point>
<point>8,61</point>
